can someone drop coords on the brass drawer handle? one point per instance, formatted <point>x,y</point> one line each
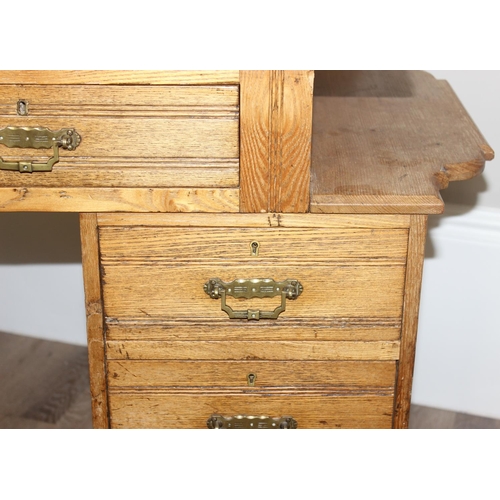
<point>250,422</point>
<point>37,137</point>
<point>250,288</point>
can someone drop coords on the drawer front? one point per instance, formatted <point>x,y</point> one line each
<point>240,350</point>
<point>343,329</point>
<point>220,244</point>
<point>350,291</point>
<point>342,273</point>
<point>132,136</point>
<point>311,410</point>
<point>235,374</point>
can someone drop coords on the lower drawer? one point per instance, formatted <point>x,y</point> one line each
<point>191,409</point>
<point>185,394</point>
<point>235,374</point>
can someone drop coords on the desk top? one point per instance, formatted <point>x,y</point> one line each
<point>388,141</point>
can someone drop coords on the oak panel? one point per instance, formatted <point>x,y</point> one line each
<point>388,141</point>
<point>132,172</point>
<point>41,199</point>
<point>257,220</point>
<point>141,137</point>
<point>95,317</point>
<point>311,244</point>
<point>177,293</point>
<point>366,329</point>
<point>133,137</point>
<point>154,373</point>
<point>191,410</point>
<point>254,350</point>
<point>276,118</point>
<point>101,77</point>
<point>416,252</point>
<point>78,100</point>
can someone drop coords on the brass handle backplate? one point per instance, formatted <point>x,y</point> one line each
<point>37,137</point>
<point>250,422</point>
<point>250,288</point>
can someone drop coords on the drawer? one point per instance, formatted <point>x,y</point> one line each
<point>184,394</point>
<point>283,330</point>
<point>140,137</point>
<point>342,272</point>
<point>267,374</point>
<point>373,349</point>
<point>311,410</point>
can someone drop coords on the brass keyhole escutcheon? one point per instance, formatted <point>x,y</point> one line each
<point>251,379</point>
<point>22,107</point>
<point>254,246</point>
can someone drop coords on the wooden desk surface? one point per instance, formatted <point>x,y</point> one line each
<point>388,141</point>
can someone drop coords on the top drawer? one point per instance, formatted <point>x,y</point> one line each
<point>163,274</point>
<point>160,140</point>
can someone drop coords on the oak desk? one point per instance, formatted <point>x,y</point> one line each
<point>276,284</point>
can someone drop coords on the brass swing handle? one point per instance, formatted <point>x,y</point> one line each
<point>37,137</point>
<point>250,422</point>
<point>250,288</point>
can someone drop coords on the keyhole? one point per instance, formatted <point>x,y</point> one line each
<point>251,379</point>
<point>22,107</point>
<point>255,248</point>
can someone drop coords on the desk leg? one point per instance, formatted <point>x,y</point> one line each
<point>411,302</point>
<point>95,319</point>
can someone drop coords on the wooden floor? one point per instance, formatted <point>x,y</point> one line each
<point>45,385</point>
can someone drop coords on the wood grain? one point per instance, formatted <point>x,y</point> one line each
<point>170,77</point>
<point>44,375</point>
<point>191,410</point>
<point>415,264</point>
<point>44,379</point>
<point>155,245</point>
<point>299,374</point>
<point>131,173</point>
<point>257,220</point>
<point>137,138</point>
<point>275,140</point>
<point>253,350</point>
<point>95,324</point>
<point>40,199</point>
<point>133,137</point>
<point>112,100</point>
<point>388,141</point>
<point>364,329</point>
<point>177,293</point>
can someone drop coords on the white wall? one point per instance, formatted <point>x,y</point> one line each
<point>41,282</point>
<point>458,347</point>
<point>457,366</point>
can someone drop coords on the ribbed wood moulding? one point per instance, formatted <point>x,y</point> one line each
<point>168,77</point>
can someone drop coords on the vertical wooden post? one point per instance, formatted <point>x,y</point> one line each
<point>275,140</point>
<point>95,319</point>
<point>411,303</point>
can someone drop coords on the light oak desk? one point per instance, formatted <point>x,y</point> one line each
<point>252,253</point>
